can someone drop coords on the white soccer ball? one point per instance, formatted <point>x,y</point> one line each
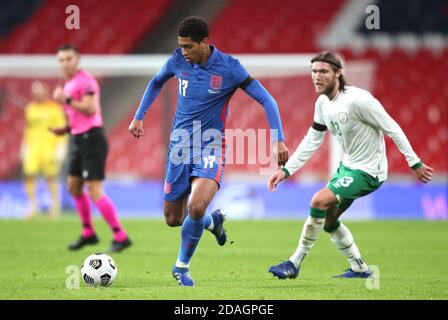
<point>99,269</point>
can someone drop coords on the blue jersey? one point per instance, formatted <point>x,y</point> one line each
<point>204,91</point>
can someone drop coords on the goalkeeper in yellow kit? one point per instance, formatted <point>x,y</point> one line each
<point>42,152</point>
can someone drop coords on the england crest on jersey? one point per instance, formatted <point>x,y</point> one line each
<point>343,117</point>
<point>215,82</point>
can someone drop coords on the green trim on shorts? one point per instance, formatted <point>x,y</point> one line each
<point>316,213</point>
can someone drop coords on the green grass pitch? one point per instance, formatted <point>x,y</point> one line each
<point>412,257</point>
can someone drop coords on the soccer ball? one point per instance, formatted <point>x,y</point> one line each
<point>99,269</point>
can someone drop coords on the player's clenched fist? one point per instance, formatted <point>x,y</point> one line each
<point>136,128</point>
<point>281,153</point>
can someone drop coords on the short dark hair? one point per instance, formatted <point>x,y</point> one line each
<point>332,59</point>
<point>67,46</point>
<point>194,27</point>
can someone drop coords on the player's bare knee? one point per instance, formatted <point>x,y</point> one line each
<point>196,210</point>
<point>173,221</point>
<point>319,202</point>
<point>94,192</point>
<point>75,190</point>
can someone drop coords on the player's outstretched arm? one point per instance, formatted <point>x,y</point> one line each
<point>424,173</point>
<point>372,112</point>
<point>309,144</point>
<point>256,91</point>
<point>151,93</point>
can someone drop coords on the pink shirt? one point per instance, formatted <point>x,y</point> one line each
<point>76,88</point>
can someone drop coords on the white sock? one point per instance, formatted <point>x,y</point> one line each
<point>211,226</point>
<point>181,264</point>
<point>310,232</point>
<point>209,219</point>
<point>343,240</point>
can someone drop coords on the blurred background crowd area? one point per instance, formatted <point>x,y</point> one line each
<point>408,52</point>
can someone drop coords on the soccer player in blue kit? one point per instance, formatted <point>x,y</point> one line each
<point>207,80</point>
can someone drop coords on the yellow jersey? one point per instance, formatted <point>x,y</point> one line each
<point>40,146</point>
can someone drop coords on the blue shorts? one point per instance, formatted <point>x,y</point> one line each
<point>179,175</point>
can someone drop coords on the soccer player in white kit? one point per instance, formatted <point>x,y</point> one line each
<point>358,121</point>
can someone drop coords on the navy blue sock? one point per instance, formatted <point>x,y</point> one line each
<point>191,234</point>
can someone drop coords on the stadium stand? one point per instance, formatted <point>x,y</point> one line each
<point>398,74</point>
<point>13,13</point>
<point>26,38</point>
<point>409,79</point>
<point>267,27</point>
<point>97,33</point>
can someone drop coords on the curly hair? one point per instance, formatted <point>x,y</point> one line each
<point>194,27</point>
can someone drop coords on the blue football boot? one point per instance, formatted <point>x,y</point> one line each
<point>285,270</point>
<point>349,273</point>
<point>183,277</point>
<point>218,226</point>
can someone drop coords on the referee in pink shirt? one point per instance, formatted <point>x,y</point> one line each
<point>88,149</point>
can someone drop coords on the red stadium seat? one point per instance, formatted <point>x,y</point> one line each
<point>411,86</point>
<point>272,28</point>
<point>131,19</point>
<point>45,31</point>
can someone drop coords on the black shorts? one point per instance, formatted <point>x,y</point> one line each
<point>88,154</point>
